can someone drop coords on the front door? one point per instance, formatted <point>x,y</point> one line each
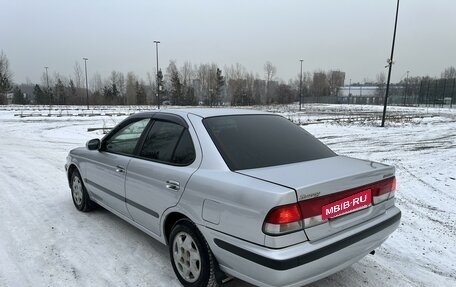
<point>106,171</point>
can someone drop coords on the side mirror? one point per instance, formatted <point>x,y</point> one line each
<point>93,144</point>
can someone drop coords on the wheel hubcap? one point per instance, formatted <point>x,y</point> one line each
<point>77,190</point>
<point>186,257</point>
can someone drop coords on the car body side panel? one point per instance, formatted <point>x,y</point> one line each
<point>148,189</point>
<point>212,160</point>
<point>147,193</point>
<point>242,202</point>
<point>103,178</point>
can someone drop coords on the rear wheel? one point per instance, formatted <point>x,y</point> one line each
<point>79,193</point>
<point>191,257</point>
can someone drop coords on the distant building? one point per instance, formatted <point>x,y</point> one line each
<point>359,91</point>
<point>360,95</point>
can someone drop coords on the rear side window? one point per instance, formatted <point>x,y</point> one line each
<point>185,151</point>
<point>255,141</point>
<point>169,143</point>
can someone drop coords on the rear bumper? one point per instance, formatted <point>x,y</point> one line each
<point>302,263</point>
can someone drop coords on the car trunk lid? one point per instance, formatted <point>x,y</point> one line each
<point>331,179</point>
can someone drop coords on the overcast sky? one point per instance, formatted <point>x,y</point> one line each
<point>351,35</point>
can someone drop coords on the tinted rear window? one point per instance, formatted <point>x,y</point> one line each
<point>254,141</point>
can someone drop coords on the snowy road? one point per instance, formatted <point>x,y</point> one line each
<point>44,241</point>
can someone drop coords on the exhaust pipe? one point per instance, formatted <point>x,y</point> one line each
<point>372,252</point>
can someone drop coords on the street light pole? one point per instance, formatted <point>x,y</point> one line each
<point>300,87</point>
<point>87,83</point>
<point>390,63</point>
<point>158,83</point>
<point>48,90</point>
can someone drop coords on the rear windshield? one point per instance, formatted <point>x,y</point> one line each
<point>254,141</point>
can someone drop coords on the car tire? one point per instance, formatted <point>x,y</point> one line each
<point>191,258</point>
<point>79,193</point>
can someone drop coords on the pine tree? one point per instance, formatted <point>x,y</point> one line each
<point>60,92</point>
<point>40,96</point>
<point>107,95</point>
<point>73,93</point>
<point>5,78</point>
<point>189,98</point>
<point>176,88</point>
<point>18,97</point>
<point>140,93</point>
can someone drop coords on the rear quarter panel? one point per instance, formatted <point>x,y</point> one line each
<point>232,203</point>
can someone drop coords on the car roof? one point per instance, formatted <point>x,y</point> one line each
<point>206,112</point>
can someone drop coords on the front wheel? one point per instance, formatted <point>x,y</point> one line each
<point>79,193</point>
<point>191,258</point>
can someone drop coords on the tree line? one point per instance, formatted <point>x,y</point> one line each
<point>187,84</point>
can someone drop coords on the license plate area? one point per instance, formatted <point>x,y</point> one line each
<point>347,205</point>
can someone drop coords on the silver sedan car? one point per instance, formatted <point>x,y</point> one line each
<point>237,193</point>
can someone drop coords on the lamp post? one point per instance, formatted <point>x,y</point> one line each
<point>349,91</point>
<point>48,90</point>
<point>390,64</point>
<point>300,87</point>
<point>158,82</point>
<point>87,83</point>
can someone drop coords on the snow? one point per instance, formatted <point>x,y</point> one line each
<point>45,241</point>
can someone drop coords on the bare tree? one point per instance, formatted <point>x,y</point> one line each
<point>187,73</point>
<point>151,79</point>
<point>234,77</point>
<point>336,79</point>
<point>96,83</point>
<point>320,86</point>
<point>121,84</point>
<point>131,88</point>
<point>207,76</point>
<point>5,77</point>
<point>78,75</point>
<point>381,80</point>
<point>449,73</point>
<point>270,71</point>
<point>235,72</point>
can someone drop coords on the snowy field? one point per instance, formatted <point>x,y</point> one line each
<point>45,241</point>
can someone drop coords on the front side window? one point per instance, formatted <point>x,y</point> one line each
<point>255,141</point>
<point>169,143</point>
<point>126,139</point>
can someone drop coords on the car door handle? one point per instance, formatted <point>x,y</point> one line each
<point>173,185</point>
<point>120,169</point>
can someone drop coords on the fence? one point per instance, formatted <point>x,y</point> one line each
<point>428,92</point>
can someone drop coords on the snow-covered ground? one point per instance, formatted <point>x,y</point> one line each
<point>45,241</point>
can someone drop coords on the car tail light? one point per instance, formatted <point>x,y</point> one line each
<point>307,213</point>
<point>383,190</point>
<point>283,219</point>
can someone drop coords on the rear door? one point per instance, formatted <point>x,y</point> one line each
<point>106,169</point>
<point>158,175</point>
